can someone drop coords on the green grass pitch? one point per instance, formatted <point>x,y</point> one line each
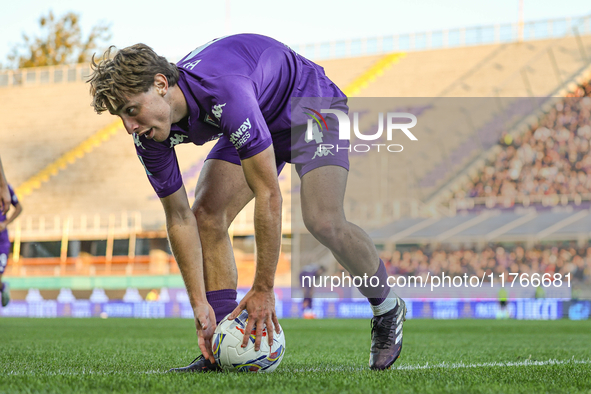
<point>132,355</point>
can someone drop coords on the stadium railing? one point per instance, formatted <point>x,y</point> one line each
<point>124,227</point>
<point>441,39</point>
<point>458,204</point>
<point>45,75</point>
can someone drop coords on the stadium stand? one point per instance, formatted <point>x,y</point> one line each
<point>495,258</point>
<point>537,72</point>
<point>344,71</point>
<point>476,71</point>
<point>495,73</point>
<point>42,122</point>
<point>499,74</point>
<point>538,184</point>
<point>479,228</point>
<point>551,158</point>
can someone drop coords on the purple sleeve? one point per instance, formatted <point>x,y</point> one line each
<point>13,197</point>
<point>233,101</point>
<point>161,165</point>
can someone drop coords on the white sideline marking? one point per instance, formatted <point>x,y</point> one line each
<point>460,365</point>
<point>526,363</point>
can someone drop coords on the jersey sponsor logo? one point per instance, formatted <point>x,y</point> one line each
<point>240,136</point>
<point>209,119</point>
<point>217,110</point>
<point>137,142</point>
<point>177,139</point>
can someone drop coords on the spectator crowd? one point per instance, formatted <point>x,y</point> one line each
<point>552,157</point>
<point>495,259</point>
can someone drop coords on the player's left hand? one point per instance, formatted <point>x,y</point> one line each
<point>260,306</point>
<point>2,226</point>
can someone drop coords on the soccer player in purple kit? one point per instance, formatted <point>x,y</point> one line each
<point>5,220</point>
<point>238,90</point>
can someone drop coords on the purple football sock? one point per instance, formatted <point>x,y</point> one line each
<point>222,301</point>
<point>377,294</point>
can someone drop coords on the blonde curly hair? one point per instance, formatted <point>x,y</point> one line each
<point>118,75</point>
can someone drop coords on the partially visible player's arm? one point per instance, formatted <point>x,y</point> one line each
<point>261,175</point>
<point>183,234</point>
<point>12,214</point>
<point>4,193</point>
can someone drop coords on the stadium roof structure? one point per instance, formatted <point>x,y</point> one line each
<point>524,225</point>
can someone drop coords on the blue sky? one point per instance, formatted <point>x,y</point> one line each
<point>174,28</point>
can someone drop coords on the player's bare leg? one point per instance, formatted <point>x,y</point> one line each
<point>221,193</point>
<point>216,205</point>
<point>322,192</point>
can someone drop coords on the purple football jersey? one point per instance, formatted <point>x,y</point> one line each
<point>13,201</point>
<point>238,87</point>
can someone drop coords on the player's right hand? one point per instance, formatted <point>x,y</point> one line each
<point>260,306</point>
<point>205,324</point>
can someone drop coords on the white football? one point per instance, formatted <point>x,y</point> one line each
<point>231,356</point>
